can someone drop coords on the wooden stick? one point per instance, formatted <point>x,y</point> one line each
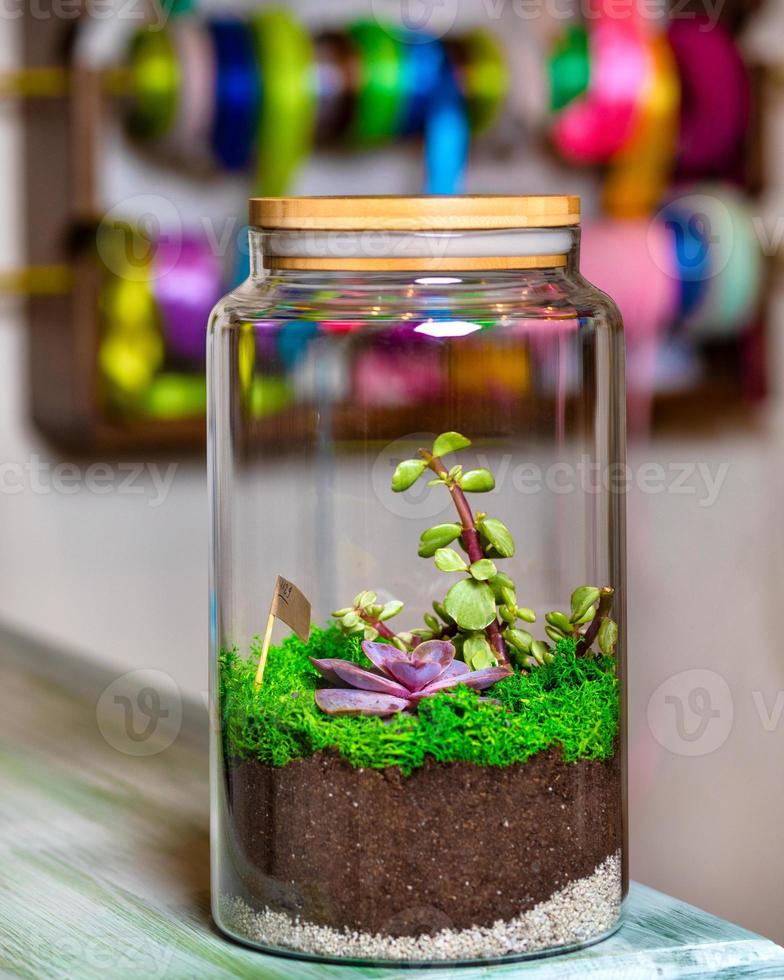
<point>37,280</point>
<point>265,649</point>
<point>55,82</point>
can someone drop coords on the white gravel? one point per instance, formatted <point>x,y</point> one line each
<point>583,910</point>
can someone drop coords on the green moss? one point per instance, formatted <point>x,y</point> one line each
<point>571,703</point>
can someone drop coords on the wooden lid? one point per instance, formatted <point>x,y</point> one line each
<point>436,213</point>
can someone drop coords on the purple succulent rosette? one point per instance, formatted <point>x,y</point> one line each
<point>400,679</point>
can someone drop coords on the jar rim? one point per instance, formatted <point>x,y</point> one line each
<point>472,212</point>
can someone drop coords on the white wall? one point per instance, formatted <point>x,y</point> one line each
<point>124,582</point>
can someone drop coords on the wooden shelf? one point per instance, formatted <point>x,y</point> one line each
<point>63,149</point>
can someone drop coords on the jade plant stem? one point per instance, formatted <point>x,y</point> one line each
<point>602,611</point>
<point>381,627</point>
<point>473,545</point>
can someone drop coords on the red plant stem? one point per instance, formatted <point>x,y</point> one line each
<point>602,611</point>
<point>473,544</point>
<point>377,624</point>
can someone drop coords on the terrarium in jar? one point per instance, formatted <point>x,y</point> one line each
<point>416,444</point>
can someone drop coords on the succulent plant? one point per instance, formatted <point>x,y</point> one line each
<point>398,679</point>
<point>590,607</point>
<point>480,614</point>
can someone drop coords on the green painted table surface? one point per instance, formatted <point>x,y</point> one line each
<point>104,868</point>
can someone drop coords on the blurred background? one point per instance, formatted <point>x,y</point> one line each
<point>131,136</point>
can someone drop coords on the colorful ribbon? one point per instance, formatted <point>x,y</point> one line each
<point>238,93</point>
<point>641,170</point>
<point>715,97</point>
<point>735,263</point>
<point>285,133</point>
<point>131,349</point>
<point>568,67</point>
<point>187,281</point>
<point>423,65</point>
<point>597,125</point>
<point>156,81</point>
<point>175,396</point>
<point>692,254</point>
<point>484,77</point>
<point>447,134</point>
<point>634,262</point>
<point>377,112</point>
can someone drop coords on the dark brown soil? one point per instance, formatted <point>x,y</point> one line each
<point>450,846</point>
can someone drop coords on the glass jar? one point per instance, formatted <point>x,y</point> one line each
<point>416,451</point>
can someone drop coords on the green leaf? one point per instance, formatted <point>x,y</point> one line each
<point>499,536</point>
<point>583,619</point>
<point>520,639</point>
<point>432,622</point>
<point>365,599</point>
<point>437,537</point>
<point>483,569</point>
<point>477,652</point>
<point>500,582</point>
<point>350,620</point>
<point>509,596</point>
<point>438,608</point>
<point>554,633</point>
<point>527,615</point>
<point>370,633</point>
<point>541,652</point>
<point>508,615</point>
<point>340,613</point>
<point>582,600</point>
<point>471,604</point>
<point>607,636</point>
<point>448,560</point>
<point>449,442</point>
<point>391,608</point>
<point>407,473</point>
<point>477,481</point>
<point>560,621</point>
<point>457,642</point>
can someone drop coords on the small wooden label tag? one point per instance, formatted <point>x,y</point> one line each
<point>290,606</point>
